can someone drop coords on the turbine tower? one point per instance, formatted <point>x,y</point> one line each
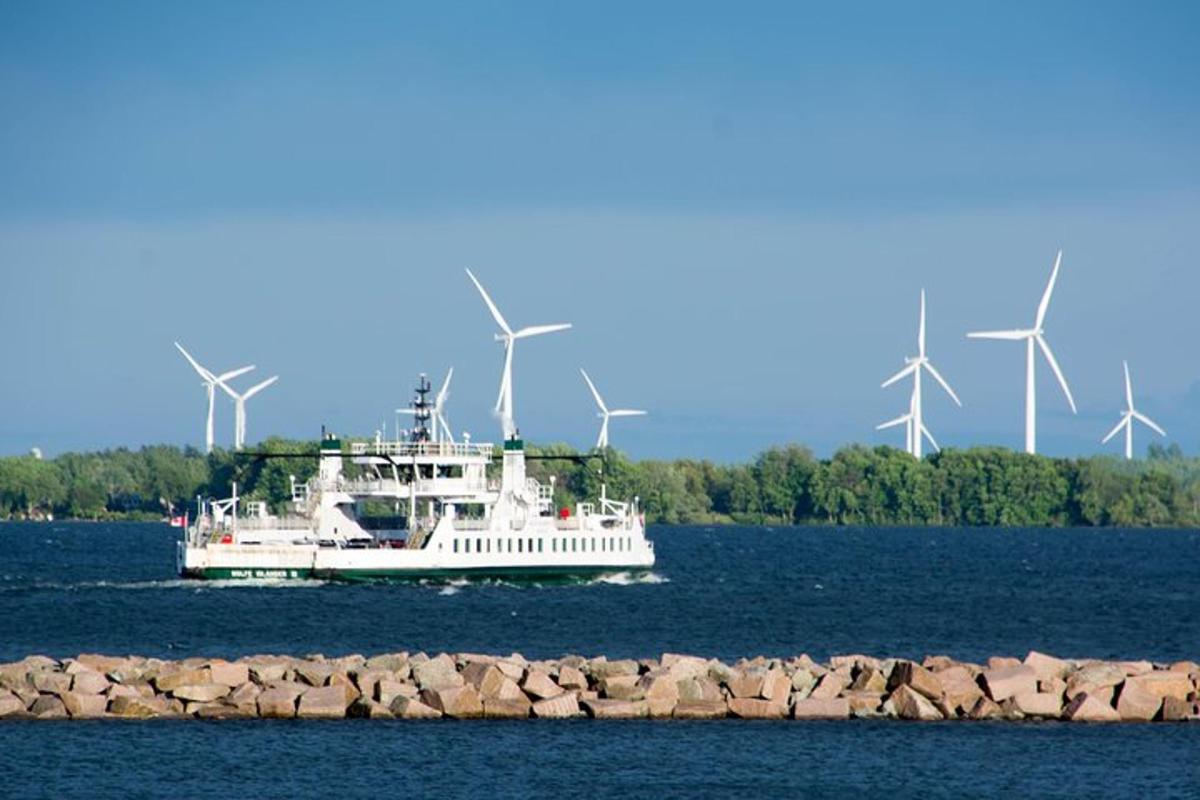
<point>1032,336</point>
<point>239,402</point>
<point>210,385</point>
<point>1128,416</point>
<point>606,414</point>
<point>504,400</point>
<point>916,424</point>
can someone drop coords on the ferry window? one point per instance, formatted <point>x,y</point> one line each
<point>509,541</point>
<point>610,543</point>
<point>466,545</point>
<point>479,545</point>
<point>602,547</point>
<point>572,544</point>
<point>489,545</point>
<point>593,544</point>
<point>456,545</point>
<point>539,545</point>
<point>520,544</point>
<point>531,545</point>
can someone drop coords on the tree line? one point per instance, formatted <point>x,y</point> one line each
<point>858,485</point>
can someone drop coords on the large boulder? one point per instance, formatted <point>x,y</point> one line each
<point>1137,703</point>
<point>960,692</point>
<point>600,669</point>
<point>831,685</point>
<point>558,707</point>
<point>1164,683</point>
<point>314,673</point>
<point>200,692</point>
<point>863,704</point>
<point>985,708</point>
<point>1047,667</point>
<point>387,691</point>
<point>89,682</point>
<point>494,708</point>
<point>227,674</point>
<point>622,687</point>
<point>412,708</point>
<point>699,689</point>
<point>615,709</point>
<point>748,683</point>
<point>437,674</point>
<point>170,681</point>
<point>267,669</point>
<point>460,702</point>
<point>1176,710</point>
<point>279,702</point>
<point>920,679</point>
<point>539,685</point>
<point>757,708</point>
<point>10,704</point>
<point>572,678</point>
<point>1096,675</point>
<point>244,698</point>
<point>1038,704</point>
<point>821,708</point>
<point>661,692</point>
<point>776,686</point>
<point>51,682</point>
<point>48,706</point>
<point>870,679</point>
<point>1085,708</point>
<point>1004,682</point>
<point>323,702</point>
<point>911,704</point>
<point>138,707</point>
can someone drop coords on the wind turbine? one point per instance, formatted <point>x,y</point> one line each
<point>210,385</point>
<point>1031,336</point>
<point>606,414</point>
<point>239,402</point>
<point>1127,418</point>
<point>504,400</point>
<point>917,430</point>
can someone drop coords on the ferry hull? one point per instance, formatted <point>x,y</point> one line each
<point>563,574</point>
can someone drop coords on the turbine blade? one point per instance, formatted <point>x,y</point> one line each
<point>893,423</point>
<point>491,306</point>
<point>253,390</point>
<point>1042,306</point>
<point>1128,387</point>
<point>1140,417</point>
<point>1124,421</point>
<point>1008,335</point>
<point>921,328</point>
<point>537,330</point>
<point>1057,372</point>
<point>228,376</point>
<point>627,412</point>
<point>595,394</point>
<point>907,370</point>
<point>938,377</point>
<point>505,376</point>
<point>929,436</point>
<point>205,374</point>
<point>444,392</point>
<point>406,411</point>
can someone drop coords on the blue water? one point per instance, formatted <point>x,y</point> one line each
<point>727,592</point>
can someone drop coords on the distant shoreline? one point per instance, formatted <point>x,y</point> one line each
<point>983,487</point>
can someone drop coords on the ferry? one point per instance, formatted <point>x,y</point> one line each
<point>457,513</point>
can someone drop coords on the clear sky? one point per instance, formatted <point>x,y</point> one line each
<point>736,204</point>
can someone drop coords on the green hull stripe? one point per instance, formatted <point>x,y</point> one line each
<point>384,575</point>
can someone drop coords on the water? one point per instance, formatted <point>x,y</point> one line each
<point>727,592</point>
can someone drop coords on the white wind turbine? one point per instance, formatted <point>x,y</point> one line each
<point>916,424</point>
<point>504,400</point>
<point>210,385</point>
<point>1128,416</point>
<point>606,414</point>
<point>239,402</point>
<point>1031,336</point>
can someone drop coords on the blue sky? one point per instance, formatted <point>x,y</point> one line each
<point>735,206</point>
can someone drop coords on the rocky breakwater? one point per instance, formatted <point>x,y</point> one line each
<point>467,685</point>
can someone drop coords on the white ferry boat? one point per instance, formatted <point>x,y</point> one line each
<point>454,515</point>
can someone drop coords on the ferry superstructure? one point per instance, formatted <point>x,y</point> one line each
<point>461,509</point>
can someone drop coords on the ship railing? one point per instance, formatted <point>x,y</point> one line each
<point>422,449</point>
<point>392,487</point>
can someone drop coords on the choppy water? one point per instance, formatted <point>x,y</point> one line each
<point>726,592</point>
